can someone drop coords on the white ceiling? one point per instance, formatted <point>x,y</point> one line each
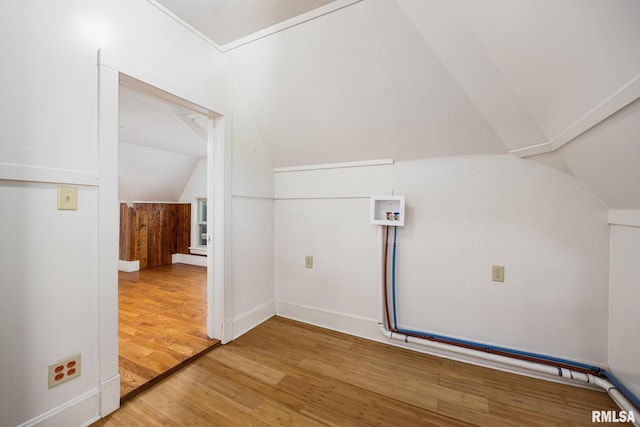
<point>408,79</point>
<point>226,21</point>
<point>150,175</point>
<point>154,122</point>
<point>561,58</point>
<point>358,83</point>
<point>607,158</point>
<point>160,145</point>
<point>551,80</point>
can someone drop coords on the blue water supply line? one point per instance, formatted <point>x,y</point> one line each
<point>509,352</point>
<point>393,278</point>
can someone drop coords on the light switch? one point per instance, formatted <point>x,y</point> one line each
<point>67,198</point>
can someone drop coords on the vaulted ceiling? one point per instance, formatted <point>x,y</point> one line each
<point>160,144</point>
<point>226,21</point>
<point>554,81</point>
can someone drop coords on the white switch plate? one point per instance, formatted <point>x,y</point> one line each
<point>67,198</point>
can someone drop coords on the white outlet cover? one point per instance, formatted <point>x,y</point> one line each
<point>64,370</point>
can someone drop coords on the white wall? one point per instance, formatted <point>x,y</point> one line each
<point>624,316</point>
<point>464,214</point>
<point>252,263</point>
<point>324,213</point>
<point>196,188</point>
<point>197,185</point>
<point>48,258</point>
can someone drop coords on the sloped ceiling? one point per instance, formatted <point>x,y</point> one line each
<point>160,145</point>
<point>561,58</point>
<point>551,80</point>
<point>357,83</point>
<point>606,158</point>
<point>150,175</point>
<point>224,21</point>
<point>156,123</point>
<point>551,77</point>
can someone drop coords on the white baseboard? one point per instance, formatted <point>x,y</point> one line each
<point>200,261</point>
<point>341,322</point>
<point>109,395</point>
<point>81,411</point>
<point>227,332</point>
<point>131,266</point>
<point>128,266</point>
<point>253,318</point>
<point>369,329</point>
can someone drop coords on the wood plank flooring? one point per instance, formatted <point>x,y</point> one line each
<point>289,373</point>
<point>162,322</point>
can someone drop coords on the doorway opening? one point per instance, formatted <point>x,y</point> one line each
<point>163,245</point>
<point>113,70</point>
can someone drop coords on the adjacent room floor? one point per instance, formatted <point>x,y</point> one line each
<point>289,373</point>
<point>162,323</point>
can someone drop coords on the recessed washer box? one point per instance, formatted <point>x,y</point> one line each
<point>387,210</point>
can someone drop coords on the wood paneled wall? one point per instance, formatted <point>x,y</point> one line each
<point>151,232</point>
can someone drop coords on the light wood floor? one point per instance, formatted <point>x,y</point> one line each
<point>289,373</point>
<point>162,323</point>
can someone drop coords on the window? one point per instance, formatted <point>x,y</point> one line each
<point>202,222</point>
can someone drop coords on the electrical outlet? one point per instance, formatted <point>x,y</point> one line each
<point>308,261</point>
<point>64,370</point>
<point>497,273</point>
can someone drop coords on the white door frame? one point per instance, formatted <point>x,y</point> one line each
<point>218,174</point>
